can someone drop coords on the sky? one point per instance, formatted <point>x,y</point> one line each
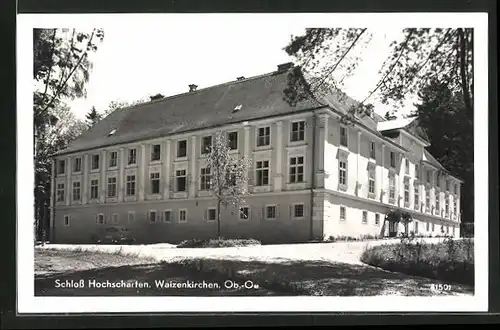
<point>138,60</point>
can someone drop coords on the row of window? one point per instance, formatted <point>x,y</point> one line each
<point>263,139</point>
<point>180,180</point>
<point>270,212</point>
<point>364,220</point>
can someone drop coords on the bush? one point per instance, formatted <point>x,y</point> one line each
<point>451,260</point>
<point>217,242</point>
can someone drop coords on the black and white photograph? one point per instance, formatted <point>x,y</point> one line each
<point>253,162</point>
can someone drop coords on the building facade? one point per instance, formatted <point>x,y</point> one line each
<point>144,168</point>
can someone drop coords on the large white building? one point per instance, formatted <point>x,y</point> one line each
<point>144,168</point>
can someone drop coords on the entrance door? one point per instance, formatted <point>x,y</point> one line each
<point>393,229</point>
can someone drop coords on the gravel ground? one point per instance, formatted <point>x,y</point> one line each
<point>346,252</point>
<point>298,269</point>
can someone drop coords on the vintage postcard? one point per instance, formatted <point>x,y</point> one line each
<point>252,162</point>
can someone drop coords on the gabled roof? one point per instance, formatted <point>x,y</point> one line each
<point>257,97</point>
<point>409,125</point>
<point>428,158</point>
<point>399,123</point>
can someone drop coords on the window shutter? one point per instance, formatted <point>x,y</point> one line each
<point>263,212</point>
<point>277,211</point>
<point>205,215</point>
<point>291,211</point>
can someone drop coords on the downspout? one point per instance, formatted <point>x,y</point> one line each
<point>52,234</point>
<point>313,178</point>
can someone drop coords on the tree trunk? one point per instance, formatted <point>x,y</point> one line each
<point>218,218</point>
<point>463,69</point>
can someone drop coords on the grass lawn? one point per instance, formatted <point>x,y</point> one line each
<point>53,268</point>
<point>451,261</point>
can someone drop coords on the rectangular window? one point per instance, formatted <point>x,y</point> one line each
<point>427,201</point>
<point>454,206</point>
<point>416,197</point>
<point>155,182</point>
<point>95,162</point>
<point>76,191</point>
<point>131,216</point>
<point>206,144</point>
<point>115,218</point>
<point>61,167</point>
<point>233,140</point>
<point>205,179</point>
<point>271,212</point>
<point>112,187</point>
<point>244,213</point>
<point>407,166</point>
<point>343,136</point>
<point>94,189</point>
<point>60,192</point>
<point>438,202</point>
<point>113,157</point>
<point>377,219</point>
<point>132,156</point>
<point>298,131</point>
<point>371,181</point>
<point>180,180</point>
<point>130,185</point>
<point>446,205</point>
<point>428,176</point>
<point>455,188</point>
<point>100,218</point>
<point>77,164</point>
<point>342,213</point>
<point>181,148</point>
<point>365,217</point>
<point>343,172</point>
<point>417,170</point>
<point>372,150</point>
<point>152,216</point>
<point>427,226</point>
<point>66,220</point>
<point>407,192</point>
<point>416,227</point>
<point>264,136</point>
<point>231,178</point>
<point>297,169</point>
<point>167,216</point>
<point>211,214</point>
<point>298,211</point>
<point>447,183</point>
<point>392,187</point>
<point>262,173</point>
<point>393,159</point>
<point>433,227</point>
<point>183,215</point>
<point>155,152</point>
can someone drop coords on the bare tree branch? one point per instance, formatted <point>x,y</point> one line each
<point>382,81</point>
<point>67,78</point>
<point>322,81</point>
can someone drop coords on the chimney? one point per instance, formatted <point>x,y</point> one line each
<point>192,87</point>
<point>240,78</point>
<point>285,66</point>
